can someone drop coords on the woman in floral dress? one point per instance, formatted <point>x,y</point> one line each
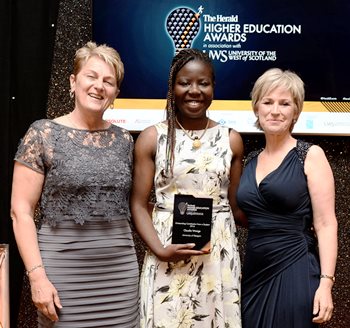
<point>188,154</point>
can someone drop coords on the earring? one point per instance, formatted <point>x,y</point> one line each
<point>294,121</point>
<point>111,105</point>
<point>71,94</point>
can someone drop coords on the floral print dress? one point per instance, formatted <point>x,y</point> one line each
<point>203,291</point>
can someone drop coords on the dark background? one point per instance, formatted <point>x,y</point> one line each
<point>319,54</point>
<point>39,39</point>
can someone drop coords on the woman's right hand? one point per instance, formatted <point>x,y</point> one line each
<point>178,252</point>
<point>44,295</point>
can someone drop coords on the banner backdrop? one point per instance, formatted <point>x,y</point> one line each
<point>243,38</point>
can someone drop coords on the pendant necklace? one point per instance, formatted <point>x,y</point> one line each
<point>196,140</point>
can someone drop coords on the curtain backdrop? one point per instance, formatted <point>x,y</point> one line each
<point>27,34</point>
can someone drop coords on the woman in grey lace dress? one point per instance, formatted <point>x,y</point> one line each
<point>80,258</point>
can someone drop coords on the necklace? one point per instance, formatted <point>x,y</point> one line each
<point>196,140</point>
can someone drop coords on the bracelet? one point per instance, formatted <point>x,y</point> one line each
<point>328,277</point>
<point>34,268</point>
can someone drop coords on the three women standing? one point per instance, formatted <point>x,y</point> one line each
<point>81,261</point>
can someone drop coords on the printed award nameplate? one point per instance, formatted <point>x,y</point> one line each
<point>192,221</point>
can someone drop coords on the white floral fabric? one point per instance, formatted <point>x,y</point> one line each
<point>205,290</point>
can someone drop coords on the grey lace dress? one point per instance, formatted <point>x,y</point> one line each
<point>84,231</point>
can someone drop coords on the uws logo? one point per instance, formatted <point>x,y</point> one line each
<point>242,55</point>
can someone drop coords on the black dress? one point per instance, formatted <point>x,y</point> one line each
<point>281,266</point>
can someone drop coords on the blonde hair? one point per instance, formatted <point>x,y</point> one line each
<point>276,78</point>
<point>108,54</point>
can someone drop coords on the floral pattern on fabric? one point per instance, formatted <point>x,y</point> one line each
<point>203,291</point>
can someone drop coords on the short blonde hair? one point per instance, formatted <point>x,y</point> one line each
<point>276,78</point>
<point>108,54</point>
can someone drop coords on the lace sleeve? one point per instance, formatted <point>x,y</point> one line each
<point>30,150</point>
<point>128,136</point>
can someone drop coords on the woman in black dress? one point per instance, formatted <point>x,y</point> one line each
<point>287,193</point>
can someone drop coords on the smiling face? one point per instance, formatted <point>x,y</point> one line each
<point>194,89</point>
<point>95,85</point>
<point>276,111</point>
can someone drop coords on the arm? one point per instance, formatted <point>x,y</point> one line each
<point>144,170</point>
<point>237,148</point>
<point>26,190</point>
<point>321,188</point>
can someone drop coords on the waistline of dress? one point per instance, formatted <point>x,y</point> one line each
<point>121,220</point>
<point>288,233</point>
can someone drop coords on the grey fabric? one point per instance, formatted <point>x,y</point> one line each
<point>95,271</point>
<point>84,233</point>
<point>87,174</point>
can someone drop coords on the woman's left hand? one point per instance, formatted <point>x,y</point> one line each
<point>323,303</point>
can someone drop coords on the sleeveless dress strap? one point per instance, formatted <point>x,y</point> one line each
<point>252,155</point>
<point>302,149</point>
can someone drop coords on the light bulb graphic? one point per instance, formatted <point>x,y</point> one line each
<point>182,207</point>
<point>182,25</point>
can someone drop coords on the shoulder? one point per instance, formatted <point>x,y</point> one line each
<point>303,145</point>
<point>315,160</point>
<point>124,133</point>
<point>37,130</point>
<point>315,153</point>
<point>317,165</point>
<point>149,132</point>
<point>41,124</point>
<point>302,149</point>
<point>47,127</point>
<point>253,154</point>
<point>236,142</point>
<point>155,130</point>
<point>234,135</point>
<point>225,130</point>
<point>147,140</point>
